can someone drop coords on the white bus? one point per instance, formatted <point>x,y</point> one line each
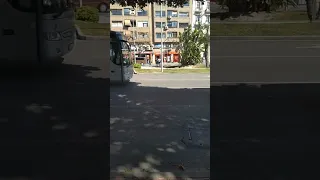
<point>20,28</point>
<point>121,59</point>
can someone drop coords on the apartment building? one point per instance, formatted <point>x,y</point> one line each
<point>201,12</point>
<point>143,27</point>
<point>174,20</point>
<point>134,24</point>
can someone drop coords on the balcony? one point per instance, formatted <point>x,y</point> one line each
<point>139,40</point>
<point>198,9</point>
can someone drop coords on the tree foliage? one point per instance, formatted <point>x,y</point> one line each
<point>245,6</point>
<point>143,3</point>
<point>192,44</point>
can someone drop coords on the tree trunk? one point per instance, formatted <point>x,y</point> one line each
<point>311,9</point>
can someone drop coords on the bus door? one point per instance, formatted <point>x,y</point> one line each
<point>18,30</point>
<point>116,64</point>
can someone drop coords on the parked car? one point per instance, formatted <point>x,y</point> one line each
<point>101,5</point>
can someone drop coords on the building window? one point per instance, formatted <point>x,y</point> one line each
<point>172,13</point>
<point>183,14</point>
<point>158,24</point>
<point>207,18</point>
<point>158,14</point>
<point>142,13</point>
<point>143,35</point>
<point>198,18</point>
<point>116,12</point>
<point>142,24</point>
<point>172,24</point>
<point>116,24</point>
<point>158,35</point>
<point>183,25</point>
<point>126,11</point>
<point>186,4</point>
<point>198,5</point>
<point>172,34</point>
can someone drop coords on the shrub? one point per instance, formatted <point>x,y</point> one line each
<point>137,65</point>
<point>87,13</point>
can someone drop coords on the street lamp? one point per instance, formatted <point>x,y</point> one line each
<point>161,50</point>
<point>133,13</point>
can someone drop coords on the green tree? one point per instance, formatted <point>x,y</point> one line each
<point>192,43</point>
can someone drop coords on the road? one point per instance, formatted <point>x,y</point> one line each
<point>54,122</point>
<point>150,120</point>
<point>269,127</point>
<point>104,17</point>
<point>265,61</point>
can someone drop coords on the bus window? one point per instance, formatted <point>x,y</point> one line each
<point>23,5</point>
<point>49,6</point>
<point>56,6</point>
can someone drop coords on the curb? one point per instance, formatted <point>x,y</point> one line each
<point>250,38</point>
<point>81,36</point>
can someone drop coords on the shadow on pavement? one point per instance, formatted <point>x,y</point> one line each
<point>270,131</point>
<point>149,132</point>
<point>53,122</point>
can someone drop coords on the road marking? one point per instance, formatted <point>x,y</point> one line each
<point>309,47</point>
<point>265,57</point>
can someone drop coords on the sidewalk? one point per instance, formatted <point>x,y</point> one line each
<point>163,132</point>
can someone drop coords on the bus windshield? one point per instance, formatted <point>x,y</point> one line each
<point>126,53</point>
<point>56,6</point>
<point>120,50</point>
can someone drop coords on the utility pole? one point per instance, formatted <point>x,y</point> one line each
<point>161,50</point>
<point>134,35</point>
<point>80,3</point>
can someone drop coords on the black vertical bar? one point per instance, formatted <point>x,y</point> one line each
<point>39,31</point>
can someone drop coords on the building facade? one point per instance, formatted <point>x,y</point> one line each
<point>142,27</point>
<point>201,12</point>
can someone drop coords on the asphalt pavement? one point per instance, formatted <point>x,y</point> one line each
<point>54,121</point>
<point>267,127</point>
<point>160,126</point>
<point>265,61</point>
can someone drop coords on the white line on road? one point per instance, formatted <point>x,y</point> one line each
<point>256,82</point>
<point>309,47</point>
<point>265,57</point>
<point>142,79</point>
<point>158,106</point>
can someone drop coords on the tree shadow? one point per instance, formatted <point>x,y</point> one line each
<point>268,131</point>
<point>159,132</point>
<point>53,122</point>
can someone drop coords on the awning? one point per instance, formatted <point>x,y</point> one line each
<point>173,52</point>
<point>127,23</point>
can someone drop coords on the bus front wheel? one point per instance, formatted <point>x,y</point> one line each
<point>103,7</point>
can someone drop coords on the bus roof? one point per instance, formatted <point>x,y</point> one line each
<point>116,35</point>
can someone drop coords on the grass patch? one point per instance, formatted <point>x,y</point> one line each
<point>290,16</point>
<point>175,70</point>
<point>93,29</point>
<point>254,29</point>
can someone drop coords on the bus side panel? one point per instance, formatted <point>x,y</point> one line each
<point>128,72</point>
<point>115,72</point>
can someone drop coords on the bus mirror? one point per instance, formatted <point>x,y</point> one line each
<point>127,43</point>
